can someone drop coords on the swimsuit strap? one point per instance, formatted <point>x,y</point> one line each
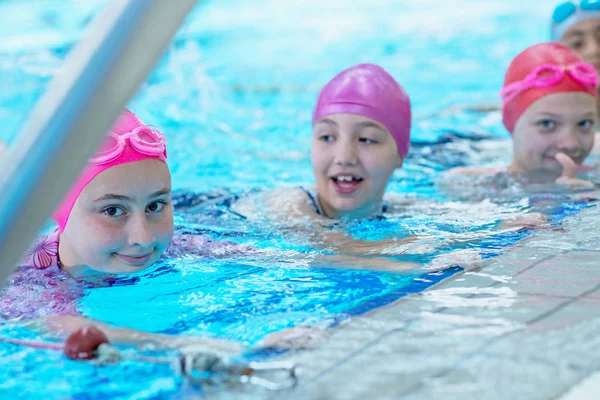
<point>312,196</point>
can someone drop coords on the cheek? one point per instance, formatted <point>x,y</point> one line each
<point>380,166</point>
<point>528,143</point>
<point>320,166</point>
<point>100,233</point>
<point>95,245</point>
<point>164,228</point>
<point>318,158</point>
<point>587,141</point>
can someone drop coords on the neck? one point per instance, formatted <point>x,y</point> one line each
<point>359,213</point>
<point>532,175</point>
<point>67,265</point>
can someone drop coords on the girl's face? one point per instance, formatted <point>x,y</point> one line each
<point>122,221</point>
<point>584,38</point>
<point>353,158</point>
<point>560,122</point>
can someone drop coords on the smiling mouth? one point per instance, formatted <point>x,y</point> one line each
<point>346,184</point>
<point>134,260</point>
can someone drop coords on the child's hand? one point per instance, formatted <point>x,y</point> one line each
<point>196,343</point>
<point>296,338</point>
<point>569,168</point>
<point>468,259</point>
<point>530,220</point>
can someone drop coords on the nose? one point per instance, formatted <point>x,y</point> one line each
<point>346,153</point>
<point>139,231</point>
<point>570,144</point>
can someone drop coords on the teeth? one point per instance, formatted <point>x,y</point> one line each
<point>345,178</point>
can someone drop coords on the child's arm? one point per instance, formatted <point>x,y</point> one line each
<point>280,206</point>
<point>289,211</point>
<point>65,325</point>
<point>468,259</point>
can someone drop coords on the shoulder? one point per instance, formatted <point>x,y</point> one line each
<point>398,202</point>
<point>475,171</point>
<point>274,204</point>
<point>43,252</point>
<point>203,246</point>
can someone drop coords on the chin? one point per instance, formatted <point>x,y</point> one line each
<point>129,269</point>
<point>346,205</point>
<point>123,268</point>
<point>552,167</point>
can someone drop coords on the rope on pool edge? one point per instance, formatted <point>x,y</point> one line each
<point>199,367</point>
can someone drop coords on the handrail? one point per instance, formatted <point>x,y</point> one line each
<point>68,123</point>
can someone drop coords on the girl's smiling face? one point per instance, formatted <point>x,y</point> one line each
<point>353,158</point>
<point>122,221</point>
<point>557,123</point>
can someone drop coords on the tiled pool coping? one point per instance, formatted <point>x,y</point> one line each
<point>495,333</point>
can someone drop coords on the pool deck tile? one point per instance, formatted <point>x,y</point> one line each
<point>524,306</point>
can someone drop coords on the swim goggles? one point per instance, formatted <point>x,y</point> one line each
<point>143,139</point>
<point>548,75</point>
<point>564,10</point>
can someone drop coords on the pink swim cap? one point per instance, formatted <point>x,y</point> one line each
<point>368,90</point>
<point>129,140</point>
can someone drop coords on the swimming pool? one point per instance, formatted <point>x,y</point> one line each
<point>234,97</point>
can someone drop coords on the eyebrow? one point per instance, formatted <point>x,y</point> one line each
<point>580,33</point>
<point>368,124</point>
<point>575,33</point>
<point>549,114</point>
<point>112,196</point>
<point>328,121</point>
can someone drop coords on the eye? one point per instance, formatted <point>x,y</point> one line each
<point>586,124</point>
<point>575,44</point>
<point>113,211</point>
<point>326,138</point>
<point>156,206</point>
<point>367,140</point>
<point>546,124</point>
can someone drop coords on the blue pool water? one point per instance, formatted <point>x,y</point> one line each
<point>234,95</point>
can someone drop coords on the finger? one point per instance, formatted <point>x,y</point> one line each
<point>568,165</point>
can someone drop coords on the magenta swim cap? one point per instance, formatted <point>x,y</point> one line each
<point>129,140</point>
<point>368,90</point>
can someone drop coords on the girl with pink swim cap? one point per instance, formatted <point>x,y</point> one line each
<point>549,108</point>
<point>116,218</point>
<point>361,134</point>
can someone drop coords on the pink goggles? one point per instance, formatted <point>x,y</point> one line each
<point>548,75</point>
<point>143,139</point>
